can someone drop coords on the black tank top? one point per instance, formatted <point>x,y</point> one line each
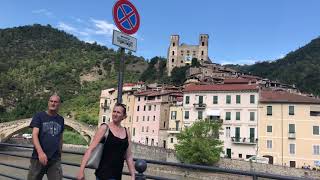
<point>113,157</point>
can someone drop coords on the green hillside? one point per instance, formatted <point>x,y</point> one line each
<point>300,67</point>
<point>36,61</point>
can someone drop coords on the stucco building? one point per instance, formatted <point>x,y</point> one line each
<point>289,131</point>
<point>236,105</point>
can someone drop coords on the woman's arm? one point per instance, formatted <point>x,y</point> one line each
<point>97,138</point>
<point>129,158</point>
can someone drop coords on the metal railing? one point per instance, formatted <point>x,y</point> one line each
<point>141,166</point>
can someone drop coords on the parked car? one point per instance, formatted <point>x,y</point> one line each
<point>27,136</point>
<point>258,159</point>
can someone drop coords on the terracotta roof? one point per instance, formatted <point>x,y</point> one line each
<point>269,96</point>
<point>236,81</point>
<point>221,87</point>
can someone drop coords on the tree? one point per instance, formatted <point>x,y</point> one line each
<point>195,63</point>
<point>200,143</point>
<point>178,75</point>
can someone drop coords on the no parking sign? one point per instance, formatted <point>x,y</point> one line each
<point>126,16</point>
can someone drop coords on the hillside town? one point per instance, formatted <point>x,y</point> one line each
<point>259,117</point>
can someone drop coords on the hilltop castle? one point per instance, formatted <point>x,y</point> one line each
<point>180,55</point>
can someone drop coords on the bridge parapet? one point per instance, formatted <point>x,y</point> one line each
<point>8,129</point>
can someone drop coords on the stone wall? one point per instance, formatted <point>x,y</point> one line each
<point>160,154</point>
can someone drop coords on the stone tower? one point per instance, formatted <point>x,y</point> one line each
<point>172,53</point>
<point>203,48</point>
<point>180,55</point>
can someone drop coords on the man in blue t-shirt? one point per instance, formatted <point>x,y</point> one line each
<point>47,133</point>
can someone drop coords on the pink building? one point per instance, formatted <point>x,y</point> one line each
<point>151,116</point>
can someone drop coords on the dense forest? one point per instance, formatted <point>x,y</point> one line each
<point>300,67</point>
<point>37,60</point>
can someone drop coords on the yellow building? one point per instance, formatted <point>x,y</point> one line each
<point>175,124</point>
<point>289,128</point>
<point>108,99</point>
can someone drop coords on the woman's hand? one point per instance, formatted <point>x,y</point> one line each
<point>80,175</point>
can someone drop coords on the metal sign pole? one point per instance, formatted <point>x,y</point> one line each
<point>120,75</point>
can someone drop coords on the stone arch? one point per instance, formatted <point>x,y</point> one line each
<point>13,127</point>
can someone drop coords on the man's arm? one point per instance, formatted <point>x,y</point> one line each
<point>35,140</point>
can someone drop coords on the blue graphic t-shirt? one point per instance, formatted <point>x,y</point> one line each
<point>50,133</point>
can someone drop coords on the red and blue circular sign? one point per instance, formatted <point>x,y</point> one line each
<point>126,17</point>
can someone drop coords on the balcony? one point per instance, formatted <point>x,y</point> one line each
<point>244,140</point>
<point>174,130</point>
<point>291,135</point>
<point>200,106</point>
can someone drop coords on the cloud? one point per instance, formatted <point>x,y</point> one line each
<point>71,29</point>
<point>43,11</point>
<point>103,27</point>
<point>240,62</point>
<point>66,27</point>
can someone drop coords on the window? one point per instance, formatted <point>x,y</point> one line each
<point>269,144</point>
<point>237,133</point>
<point>252,116</point>
<point>186,114</point>
<point>172,52</point>
<point>291,110</point>
<point>240,155</point>
<point>228,115</point>
<point>149,107</point>
<point>154,107</point>
<point>200,100</point>
<point>171,140</point>
<point>269,110</point>
<point>202,52</point>
<point>238,99</point>
<point>199,114</point>
<point>154,118</point>
<point>129,118</point>
<point>228,130</point>
<point>134,132</point>
<point>142,118</point>
<point>103,118</point>
<point>137,119</point>
<point>173,115</point>
<point>144,108</point>
<point>316,150</point>
<point>215,99</point>
<point>292,148</point>
<point>148,118</point>
<point>252,99</point>
<point>147,129</point>
<point>138,98</point>
<point>316,130</point>
<point>142,129</point>
<point>292,128</point>
<point>173,44</point>
<point>314,113</point>
<point>269,129</point>
<point>172,60</point>
<point>228,99</point>
<point>187,99</point>
<point>238,116</point>
<point>138,108</point>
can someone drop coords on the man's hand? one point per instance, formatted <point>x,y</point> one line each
<point>43,158</point>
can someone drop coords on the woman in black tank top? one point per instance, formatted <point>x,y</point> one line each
<point>117,148</point>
